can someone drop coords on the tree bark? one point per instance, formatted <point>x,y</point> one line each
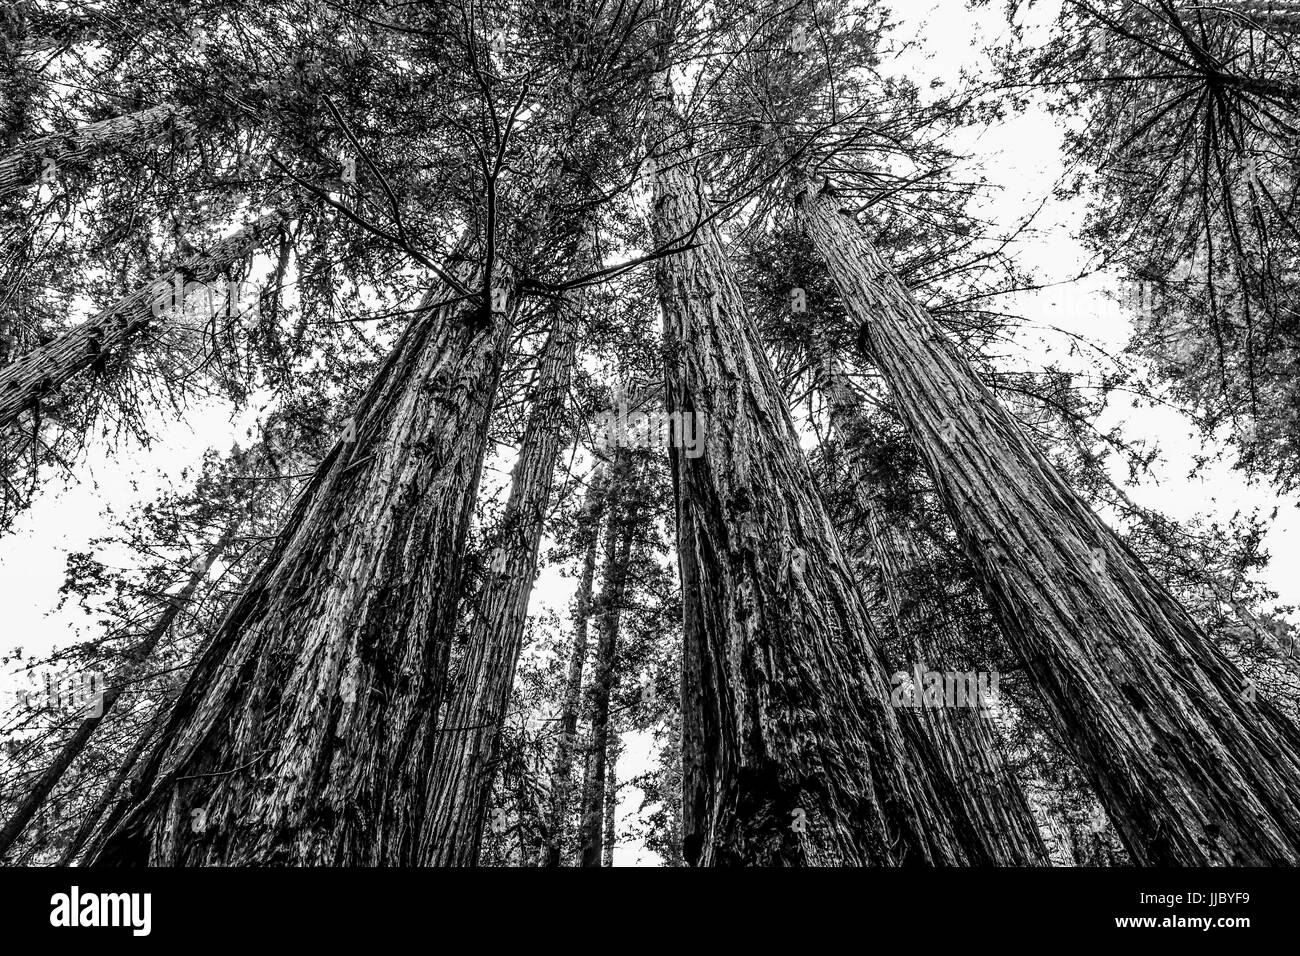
<point>464,760</point>
<point>622,518</point>
<point>611,805</point>
<point>303,735</point>
<point>26,379</point>
<point>1192,769</point>
<point>25,164</point>
<point>978,780</point>
<point>561,778</point>
<point>791,752</point>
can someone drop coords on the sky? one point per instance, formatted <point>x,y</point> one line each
<point>1020,157</point>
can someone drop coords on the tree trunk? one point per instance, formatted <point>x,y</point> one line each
<point>981,786</point>
<point>611,804</point>
<point>303,735</point>
<point>112,792</point>
<point>29,377</point>
<point>561,778</point>
<point>622,518</point>
<point>464,760</point>
<point>791,753</point>
<point>136,657</point>
<point>26,164</point>
<point>1191,768</point>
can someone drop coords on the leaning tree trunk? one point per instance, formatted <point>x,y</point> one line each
<point>623,515</point>
<point>303,735</point>
<point>978,782</point>
<point>84,838</point>
<point>464,755</point>
<point>791,752</point>
<point>1191,767</point>
<point>48,156</point>
<point>75,744</point>
<point>28,378</point>
<point>562,777</point>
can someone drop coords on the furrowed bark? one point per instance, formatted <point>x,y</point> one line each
<point>562,777</point>
<point>791,752</point>
<point>303,735</point>
<point>29,377</point>
<point>978,785</point>
<point>24,165</point>
<point>623,515</point>
<point>1192,769</point>
<point>80,738</point>
<point>464,760</point>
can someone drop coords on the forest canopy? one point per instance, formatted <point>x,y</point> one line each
<point>635,436</point>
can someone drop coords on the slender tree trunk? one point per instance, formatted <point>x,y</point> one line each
<point>611,804</point>
<point>75,744</point>
<point>791,752</point>
<point>622,518</point>
<point>561,778</point>
<point>979,782</point>
<point>112,792</point>
<point>464,760</point>
<point>28,378</point>
<point>303,735</point>
<point>1191,767</point>
<point>27,163</point>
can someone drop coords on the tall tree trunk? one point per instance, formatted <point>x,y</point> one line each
<point>1190,766</point>
<point>464,755</point>
<point>981,785</point>
<point>791,753</point>
<point>83,839</point>
<point>611,804</point>
<point>30,377</point>
<point>303,735</point>
<point>80,738</point>
<point>621,524</point>
<point>561,777</point>
<point>27,163</point>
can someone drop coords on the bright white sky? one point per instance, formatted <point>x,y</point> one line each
<point>1020,157</point>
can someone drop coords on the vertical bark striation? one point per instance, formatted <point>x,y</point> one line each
<point>303,735</point>
<point>465,747</point>
<point>1191,768</point>
<point>976,778</point>
<point>791,752</point>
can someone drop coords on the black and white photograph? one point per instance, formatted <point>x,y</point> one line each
<point>853,435</point>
